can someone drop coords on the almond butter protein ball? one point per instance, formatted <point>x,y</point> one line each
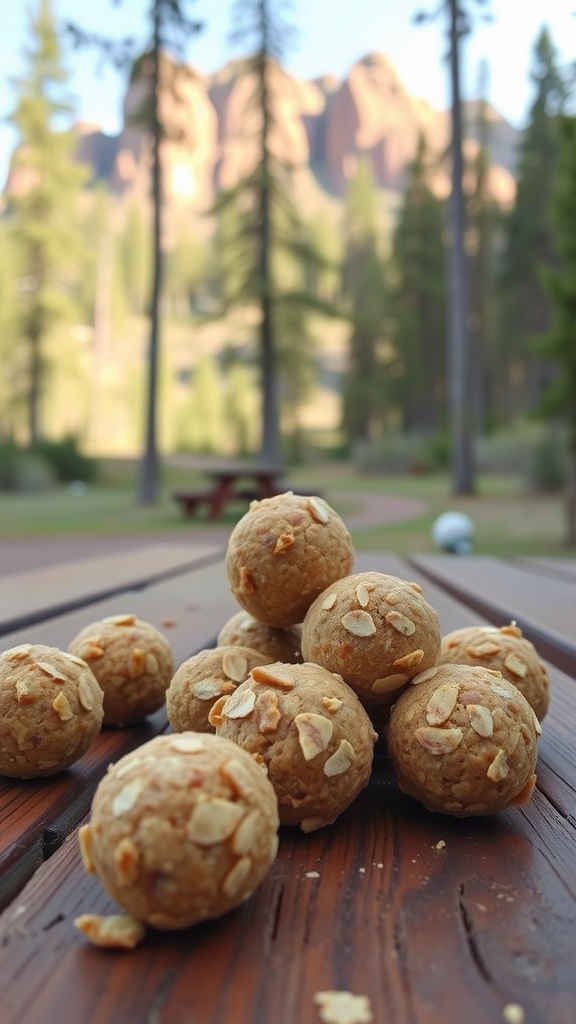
<point>283,553</point>
<point>133,663</point>
<point>463,741</point>
<point>202,679</point>
<point>276,642</point>
<point>50,710</point>
<point>376,631</point>
<point>182,829</point>
<point>310,731</point>
<point>506,650</point>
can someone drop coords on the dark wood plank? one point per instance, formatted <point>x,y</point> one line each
<point>38,814</point>
<point>194,603</point>
<point>32,597</point>
<point>543,607</point>
<point>428,934</point>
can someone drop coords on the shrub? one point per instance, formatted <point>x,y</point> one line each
<point>66,460</point>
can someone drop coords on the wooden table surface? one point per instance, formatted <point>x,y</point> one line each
<point>434,919</point>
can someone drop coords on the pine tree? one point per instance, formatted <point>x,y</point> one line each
<point>45,209</point>
<point>254,203</point>
<point>364,291</point>
<point>529,246</point>
<point>560,343</point>
<point>419,302</point>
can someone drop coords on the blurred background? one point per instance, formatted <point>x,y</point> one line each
<point>228,228</point>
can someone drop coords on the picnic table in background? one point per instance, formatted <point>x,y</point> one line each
<point>231,482</point>
<point>430,917</point>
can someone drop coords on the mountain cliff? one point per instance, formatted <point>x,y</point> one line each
<point>322,129</point>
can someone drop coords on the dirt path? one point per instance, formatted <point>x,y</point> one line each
<point>36,552</point>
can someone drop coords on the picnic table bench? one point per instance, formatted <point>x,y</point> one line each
<point>434,919</point>
<point>228,483</point>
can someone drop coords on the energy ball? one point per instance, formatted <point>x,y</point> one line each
<point>463,741</point>
<point>50,710</point>
<point>283,553</point>
<point>310,731</point>
<point>133,663</point>
<point>276,642</point>
<point>506,650</point>
<point>376,631</point>
<point>203,678</point>
<point>182,829</point>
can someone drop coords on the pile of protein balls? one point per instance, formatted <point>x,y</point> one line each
<point>276,724</point>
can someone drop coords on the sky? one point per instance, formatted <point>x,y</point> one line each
<point>332,35</point>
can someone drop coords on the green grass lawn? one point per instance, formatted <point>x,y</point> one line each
<point>508,521</point>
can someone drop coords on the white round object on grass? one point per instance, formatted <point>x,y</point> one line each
<point>453,531</point>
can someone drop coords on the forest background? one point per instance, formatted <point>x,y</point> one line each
<point>357,259</point>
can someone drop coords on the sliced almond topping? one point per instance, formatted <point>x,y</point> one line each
<point>332,703</point>
<point>515,665</point>
<point>237,877</point>
<point>235,666</point>
<point>362,595</point>
<point>121,620</point>
<point>483,650</point>
<point>424,676</point>
<point>318,509</point>
<point>206,689</point>
<point>247,584</point>
<point>240,704</point>
<point>438,741</point>
<point>61,706</point>
<point>537,725</point>
<point>359,623</point>
<point>442,704</point>
<point>329,602</point>
<point>239,777</point>
<point>511,630</point>
<point>284,542</point>
<point>85,695</point>
<point>23,694</point>
<point>499,769</point>
<point>387,684</point>
<point>90,651</point>
<point>315,822</point>
<point>391,598</point>
<point>213,821</point>
<point>401,623</point>
<point>127,859</point>
<point>215,716</point>
<point>341,1007</point>
<point>246,834</point>
<point>136,663</point>
<point>415,586</point>
<point>481,719</point>
<point>184,744</point>
<point>504,689</point>
<point>120,931</point>
<point>49,669</point>
<point>19,653</point>
<point>314,733</point>
<point>340,760</point>
<point>526,792</point>
<point>268,712</point>
<point>410,661</point>
<point>275,675</point>
<point>85,843</point>
<point>152,666</point>
<point>127,798</point>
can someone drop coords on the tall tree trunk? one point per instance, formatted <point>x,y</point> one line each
<point>149,468</point>
<point>34,385</point>
<point>459,346</point>
<point>270,443</point>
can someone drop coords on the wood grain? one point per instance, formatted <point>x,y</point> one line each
<point>450,934</point>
